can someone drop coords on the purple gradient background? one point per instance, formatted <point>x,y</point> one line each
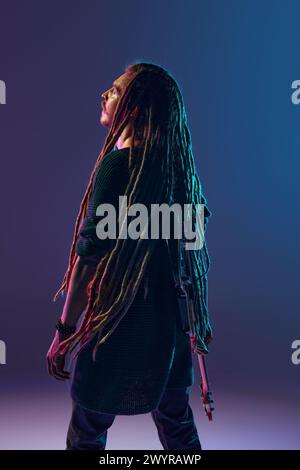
<point>235,62</point>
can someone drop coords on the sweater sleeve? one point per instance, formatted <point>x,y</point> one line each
<point>109,183</point>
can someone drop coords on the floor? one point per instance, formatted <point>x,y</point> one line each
<point>39,420</point>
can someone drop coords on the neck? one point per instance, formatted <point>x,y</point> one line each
<point>126,138</point>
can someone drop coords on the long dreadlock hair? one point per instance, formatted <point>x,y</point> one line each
<point>164,168</point>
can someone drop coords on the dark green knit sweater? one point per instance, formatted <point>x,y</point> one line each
<point>148,350</point>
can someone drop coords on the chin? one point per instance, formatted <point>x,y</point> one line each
<point>104,121</point>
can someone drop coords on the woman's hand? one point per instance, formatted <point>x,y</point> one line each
<point>56,360</point>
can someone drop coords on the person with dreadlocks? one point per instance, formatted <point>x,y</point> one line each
<point>132,354</point>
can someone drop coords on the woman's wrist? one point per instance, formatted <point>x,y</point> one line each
<point>64,329</point>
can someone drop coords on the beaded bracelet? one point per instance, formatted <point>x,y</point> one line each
<point>65,329</point>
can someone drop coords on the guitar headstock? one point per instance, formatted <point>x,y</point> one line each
<point>207,401</point>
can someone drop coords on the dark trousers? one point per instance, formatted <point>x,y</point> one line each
<point>173,418</point>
